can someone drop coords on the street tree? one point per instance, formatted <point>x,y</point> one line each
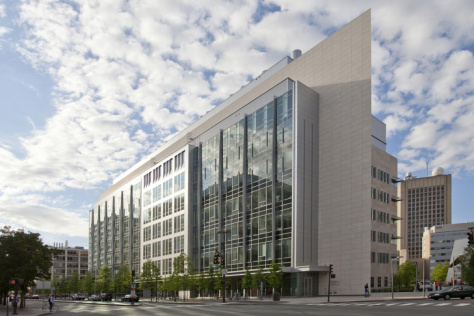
<point>467,264</point>
<point>183,273</point>
<point>247,282</point>
<point>274,276</point>
<point>440,271</point>
<point>74,283</point>
<point>149,277</point>
<point>258,279</point>
<point>105,281</point>
<point>23,256</point>
<point>406,273</point>
<point>122,280</point>
<point>87,283</point>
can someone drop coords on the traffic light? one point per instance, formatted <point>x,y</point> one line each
<point>216,257</point>
<point>133,275</point>
<point>222,262</point>
<point>470,238</point>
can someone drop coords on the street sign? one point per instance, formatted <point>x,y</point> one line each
<point>133,285</point>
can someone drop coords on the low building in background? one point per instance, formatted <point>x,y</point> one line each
<point>68,261</point>
<point>439,240</point>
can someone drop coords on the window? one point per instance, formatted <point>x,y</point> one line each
<point>379,281</point>
<point>373,257</point>
<point>179,161</point>
<point>157,249</point>
<point>179,244</point>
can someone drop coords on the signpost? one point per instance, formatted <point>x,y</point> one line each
<point>132,293</point>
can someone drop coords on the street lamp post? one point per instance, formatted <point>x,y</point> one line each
<point>391,269</point>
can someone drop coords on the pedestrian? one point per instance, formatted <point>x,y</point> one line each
<point>51,302</point>
<point>366,287</point>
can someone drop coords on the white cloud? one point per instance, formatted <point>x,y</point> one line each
<point>40,218</point>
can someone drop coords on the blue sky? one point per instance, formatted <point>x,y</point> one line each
<point>88,88</point>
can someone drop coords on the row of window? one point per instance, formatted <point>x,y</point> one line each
<point>380,174</point>
<point>426,189</point>
<point>379,282</point>
<point>166,227</point>
<point>382,196</point>
<point>380,216</point>
<point>380,237</point>
<point>380,257</point>
<point>164,248</point>
<point>168,189</point>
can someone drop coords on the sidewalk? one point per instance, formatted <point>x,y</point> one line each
<point>31,309</point>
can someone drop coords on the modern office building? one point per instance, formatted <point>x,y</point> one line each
<point>292,168</point>
<point>68,261</point>
<point>426,202</point>
<point>438,242</point>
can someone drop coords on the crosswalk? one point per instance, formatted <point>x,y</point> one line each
<point>399,304</point>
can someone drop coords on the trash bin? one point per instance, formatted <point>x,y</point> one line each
<point>276,296</point>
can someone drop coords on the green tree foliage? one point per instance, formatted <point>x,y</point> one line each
<point>150,276</point>
<point>406,274</point>
<point>73,284</point>
<point>247,282</point>
<point>440,272</point>
<point>23,256</point>
<point>123,279</point>
<point>258,277</point>
<point>104,283</point>
<point>183,273</point>
<point>274,276</point>
<point>211,280</point>
<point>87,285</point>
<point>467,264</point>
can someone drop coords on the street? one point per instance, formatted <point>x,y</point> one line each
<point>399,307</point>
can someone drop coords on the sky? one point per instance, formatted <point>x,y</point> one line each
<point>90,87</point>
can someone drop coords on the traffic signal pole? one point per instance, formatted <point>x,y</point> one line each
<point>329,283</point>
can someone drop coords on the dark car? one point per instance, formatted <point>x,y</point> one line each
<point>461,291</point>
<point>128,298</point>
<point>94,298</point>
<point>105,297</point>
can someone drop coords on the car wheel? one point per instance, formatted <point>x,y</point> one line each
<point>447,297</point>
<point>472,295</point>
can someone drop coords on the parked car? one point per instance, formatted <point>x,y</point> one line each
<point>461,291</point>
<point>105,297</point>
<point>128,298</point>
<point>35,297</point>
<point>94,298</point>
<point>78,297</point>
<point>428,286</point>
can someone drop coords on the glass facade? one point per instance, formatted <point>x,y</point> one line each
<point>246,189</point>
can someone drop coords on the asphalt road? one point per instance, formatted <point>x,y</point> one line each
<point>405,308</point>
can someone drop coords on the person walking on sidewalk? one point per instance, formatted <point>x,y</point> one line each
<point>366,287</point>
